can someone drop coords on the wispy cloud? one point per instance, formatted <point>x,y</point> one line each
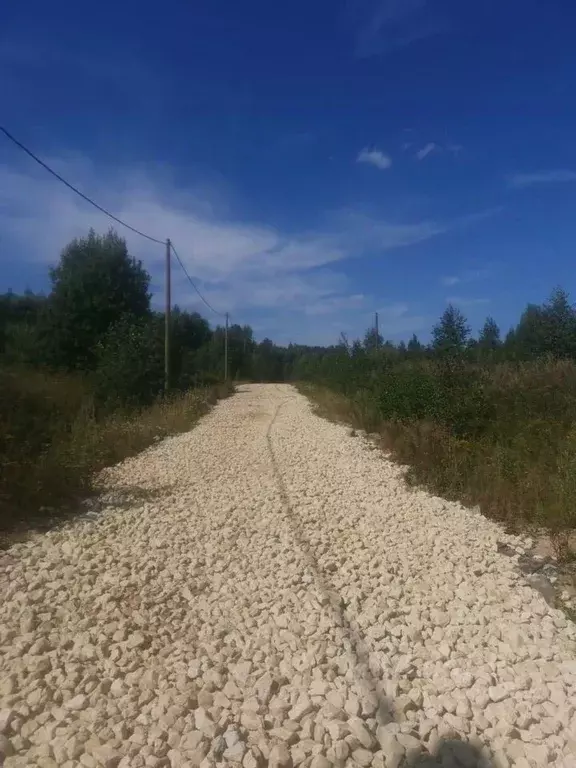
<point>374,157</point>
<point>468,276</point>
<point>245,267</point>
<point>450,280</point>
<point>520,180</point>
<point>427,150</point>
<point>385,25</point>
<point>434,147</point>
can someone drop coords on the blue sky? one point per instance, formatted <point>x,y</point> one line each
<point>313,162</point>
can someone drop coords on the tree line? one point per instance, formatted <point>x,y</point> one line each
<point>97,319</point>
<point>488,419</point>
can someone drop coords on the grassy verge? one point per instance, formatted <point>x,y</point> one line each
<point>52,440</point>
<point>519,467</point>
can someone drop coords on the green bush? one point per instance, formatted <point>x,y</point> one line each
<point>53,440</point>
<point>130,364</point>
<point>502,436</point>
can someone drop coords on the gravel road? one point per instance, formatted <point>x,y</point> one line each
<point>264,590</point>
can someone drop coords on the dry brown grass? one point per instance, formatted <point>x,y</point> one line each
<point>52,442</point>
<point>518,463</point>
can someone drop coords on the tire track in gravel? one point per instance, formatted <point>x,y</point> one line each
<point>401,743</point>
<point>359,655</point>
<point>472,622</point>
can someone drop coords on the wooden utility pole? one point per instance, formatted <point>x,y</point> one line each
<point>168,296</point>
<point>377,332</point>
<point>226,350</point>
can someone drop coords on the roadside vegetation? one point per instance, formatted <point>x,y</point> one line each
<point>82,378</point>
<point>484,421</point>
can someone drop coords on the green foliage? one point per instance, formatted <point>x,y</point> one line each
<point>189,332</point>
<point>53,441</point>
<point>504,437</point>
<point>266,364</point>
<point>414,347</point>
<point>546,330</point>
<point>372,340</point>
<point>481,421</point>
<point>450,335</point>
<point>95,284</point>
<point>489,341</point>
<point>130,363</point>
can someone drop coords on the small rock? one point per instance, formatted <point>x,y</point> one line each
<point>264,688</point>
<point>6,748</point>
<point>231,737</point>
<point>77,703</point>
<point>412,746</point>
<point>359,730</point>
<point>362,757</point>
<point>390,746</point>
<point>302,707</point>
<point>251,721</point>
<point>106,756</point>
<point>136,640</point>
<point>280,757</point>
<point>6,717</point>
<point>235,753</point>
<point>498,693</point>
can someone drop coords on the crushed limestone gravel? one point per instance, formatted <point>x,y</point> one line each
<point>265,590</point>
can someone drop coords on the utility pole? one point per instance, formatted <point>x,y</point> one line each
<point>377,332</point>
<point>226,350</point>
<point>167,320</point>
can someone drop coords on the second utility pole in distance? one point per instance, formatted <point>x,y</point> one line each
<point>168,298</point>
<point>226,349</point>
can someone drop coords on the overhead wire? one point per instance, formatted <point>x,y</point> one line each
<point>193,284</point>
<point>75,189</point>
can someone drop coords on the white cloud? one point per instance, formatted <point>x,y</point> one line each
<point>521,180</point>
<point>374,157</point>
<point>427,150</point>
<point>384,25</point>
<point>246,268</point>
<point>467,276</point>
<point>463,301</point>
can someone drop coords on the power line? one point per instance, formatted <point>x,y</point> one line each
<point>167,243</point>
<point>192,283</point>
<point>77,191</point>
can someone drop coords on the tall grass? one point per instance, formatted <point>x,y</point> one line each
<point>53,439</point>
<point>502,437</point>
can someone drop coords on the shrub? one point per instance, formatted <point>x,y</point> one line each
<point>502,436</point>
<point>53,440</point>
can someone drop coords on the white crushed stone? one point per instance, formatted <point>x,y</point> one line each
<point>278,597</point>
